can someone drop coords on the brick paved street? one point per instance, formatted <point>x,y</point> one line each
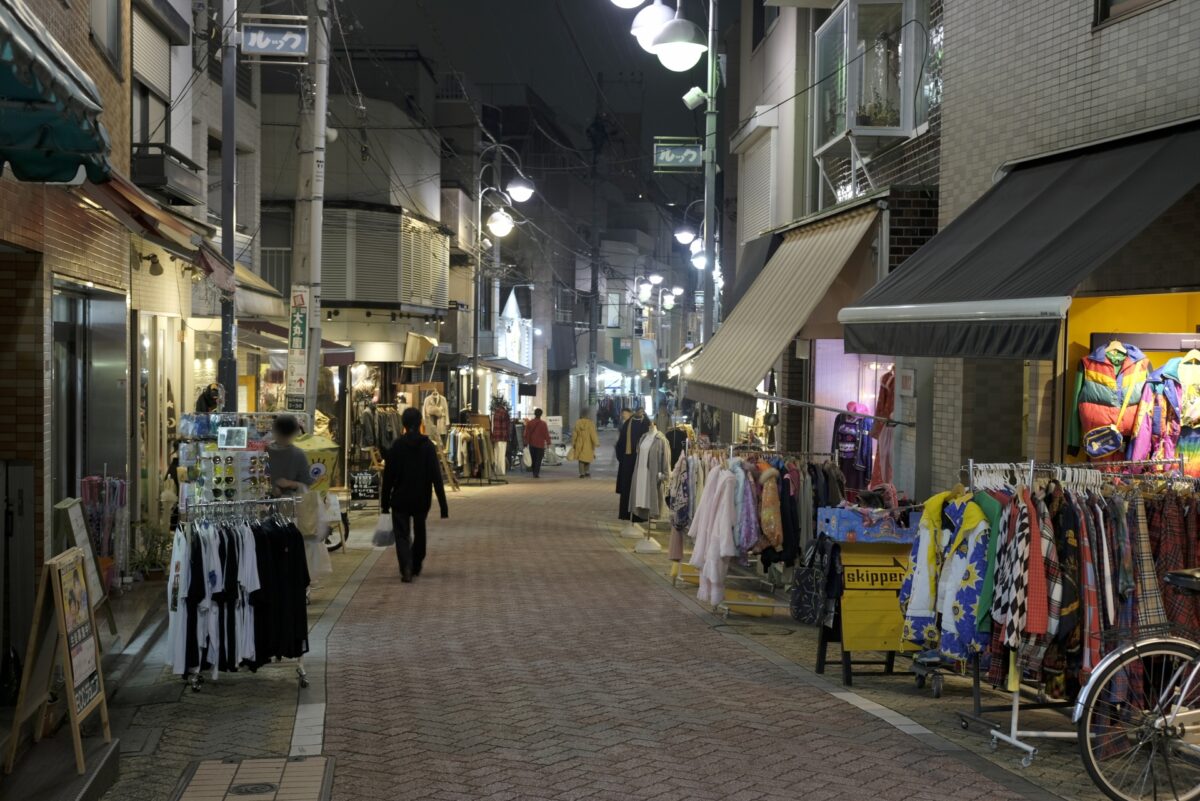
<point>535,660</point>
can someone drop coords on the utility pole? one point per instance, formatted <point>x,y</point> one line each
<point>598,135</point>
<point>310,198</point>
<point>227,365</point>
<point>710,176</point>
<point>497,160</point>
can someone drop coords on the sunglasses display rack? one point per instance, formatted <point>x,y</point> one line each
<point>223,457</point>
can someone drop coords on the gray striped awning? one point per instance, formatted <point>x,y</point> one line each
<point>774,309</point>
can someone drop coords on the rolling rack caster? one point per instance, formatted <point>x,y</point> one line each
<point>928,669</point>
<point>195,681</point>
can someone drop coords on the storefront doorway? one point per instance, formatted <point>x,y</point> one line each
<point>88,380</point>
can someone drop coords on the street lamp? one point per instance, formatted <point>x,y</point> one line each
<point>648,22</point>
<point>500,223</point>
<point>655,279</point>
<point>627,4</point>
<point>680,43</point>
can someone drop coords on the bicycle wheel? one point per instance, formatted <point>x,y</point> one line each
<point>1130,734</point>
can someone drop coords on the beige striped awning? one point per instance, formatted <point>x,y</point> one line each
<point>774,309</point>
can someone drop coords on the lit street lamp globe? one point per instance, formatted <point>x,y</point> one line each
<point>655,279</point>
<point>700,260</point>
<point>696,246</point>
<point>685,236</point>
<point>520,189</point>
<point>676,291</point>
<point>679,45</point>
<point>500,223</point>
<point>648,22</point>
<point>627,4</point>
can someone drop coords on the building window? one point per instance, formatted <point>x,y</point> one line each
<point>612,310</point>
<point>1115,9</point>
<point>764,18</point>
<point>874,62</point>
<point>106,29</point>
<point>151,116</point>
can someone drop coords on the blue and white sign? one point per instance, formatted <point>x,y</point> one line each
<point>266,39</point>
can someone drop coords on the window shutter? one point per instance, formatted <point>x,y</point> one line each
<point>335,254</point>
<point>757,172</point>
<point>377,257</point>
<point>151,56</point>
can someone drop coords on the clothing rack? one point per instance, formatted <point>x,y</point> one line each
<point>1013,734</point>
<point>490,456</point>
<point>226,510</point>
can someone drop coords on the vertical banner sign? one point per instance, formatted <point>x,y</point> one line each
<point>297,363</point>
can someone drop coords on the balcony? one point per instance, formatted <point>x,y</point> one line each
<point>162,169</point>
<point>871,58</point>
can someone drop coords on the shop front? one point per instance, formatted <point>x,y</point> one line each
<point>1063,301</point>
<point>777,365</point>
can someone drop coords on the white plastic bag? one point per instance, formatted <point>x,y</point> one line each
<point>384,536</point>
<point>526,457</point>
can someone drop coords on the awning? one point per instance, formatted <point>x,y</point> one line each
<point>255,297</point>
<point>774,309</point>
<point>676,367</point>
<point>141,214</point>
<point>507,366</point>
<point>613,368</point>
<point>274,338</point>
<point>418,348</point>
<point>49,107</point>
<point>755,255</point>
<point>997,281</point>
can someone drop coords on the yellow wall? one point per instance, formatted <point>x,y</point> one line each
<point>1132,314</point>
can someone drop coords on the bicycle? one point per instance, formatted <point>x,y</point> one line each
<point>1138,717</point>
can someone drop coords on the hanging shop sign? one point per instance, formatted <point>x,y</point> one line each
<point>297,362</point>
<point>282,40</point>
<point>678,154</point>
<point>64,634</point>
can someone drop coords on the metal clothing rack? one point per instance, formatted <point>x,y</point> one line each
<point>228,510</point>
<point>490,455</point>
<point>1013,734</point>
<point>809,405</point>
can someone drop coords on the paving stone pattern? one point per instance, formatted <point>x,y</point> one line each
<point>534,660</point>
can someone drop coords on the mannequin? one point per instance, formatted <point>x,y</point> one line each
<point>437,413</point>
<point>852,445</point>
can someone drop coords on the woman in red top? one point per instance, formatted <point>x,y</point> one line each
<point>537,437</point>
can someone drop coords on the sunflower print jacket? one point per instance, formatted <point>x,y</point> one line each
<point>940,594</point>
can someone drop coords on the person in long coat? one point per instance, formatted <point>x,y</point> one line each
<point>585,440</point>
<point>628,439</point>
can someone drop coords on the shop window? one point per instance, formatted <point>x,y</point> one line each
<point>762,22</point>
<point>1115,9</point>
<point>873,60</point>
<point>106,29</point>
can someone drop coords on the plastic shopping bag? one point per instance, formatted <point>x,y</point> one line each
<point>384,536</point>
<point>526,457</point>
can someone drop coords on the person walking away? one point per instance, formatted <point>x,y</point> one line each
<point>290,470</point>
<point>662,420</point>
<point>585,440</point>
<point>411,474</point>
<point>537,437</point>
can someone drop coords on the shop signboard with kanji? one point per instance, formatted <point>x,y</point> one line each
<point>297,361</point>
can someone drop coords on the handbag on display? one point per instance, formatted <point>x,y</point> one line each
<point>1103,440</point>
<point>808,587</point>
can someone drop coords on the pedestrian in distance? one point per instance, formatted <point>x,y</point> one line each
<point>411,474</point>
<point>662,420</point>
<point>585,440</point>
<point>537,437</point>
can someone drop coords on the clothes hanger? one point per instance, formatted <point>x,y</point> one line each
<point>1116,345</point>
<point>1191,357</point>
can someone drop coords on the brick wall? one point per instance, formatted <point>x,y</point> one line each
<point>912,221</point>
<point>169,293</point>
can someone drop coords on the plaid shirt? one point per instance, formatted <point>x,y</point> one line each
<point>1151,614</point>
<point>1033,646</point>
<point>1037,618</point>
<point>1168,540</point>
<point>501,423</point>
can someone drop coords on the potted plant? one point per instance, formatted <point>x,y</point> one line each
<point>151,560</point>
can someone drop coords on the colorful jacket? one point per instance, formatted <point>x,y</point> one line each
<point>940,594</point>
<point>1101,385</point>
<point>1156,425</point>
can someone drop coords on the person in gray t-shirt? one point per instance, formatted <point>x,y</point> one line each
<point>288,464</point>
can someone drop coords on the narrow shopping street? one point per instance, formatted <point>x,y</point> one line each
<point>533,659</point>
<point>537,657</point>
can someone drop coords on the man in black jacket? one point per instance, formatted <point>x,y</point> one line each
<point>411,474</point>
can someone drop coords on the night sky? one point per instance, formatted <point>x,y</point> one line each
<point>527,41</point>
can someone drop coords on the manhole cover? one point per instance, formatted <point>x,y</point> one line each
<point>252,789</point>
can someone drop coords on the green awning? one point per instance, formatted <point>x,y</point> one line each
<point>49,107</point>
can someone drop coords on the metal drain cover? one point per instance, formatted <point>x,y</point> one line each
<point>252,789</point>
